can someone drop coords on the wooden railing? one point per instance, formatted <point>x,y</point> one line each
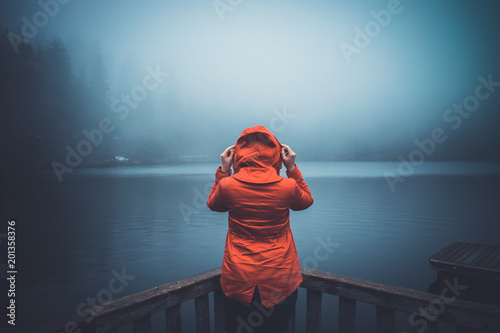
<point>138,308</point>
<point>467,316</point>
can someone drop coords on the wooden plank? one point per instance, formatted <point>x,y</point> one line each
<point>313,311</point>
<point>401,299</point>
<point>347,315</point>
<point>474,271</point>
<point>460,262</point>
<point>480,258</point>
<point>467,253</point>
<point>201,305</point>
<point>142,325</point>
<point>477,253</point>
<point>494,262</point>
<point>460,252</point>
<point>174,320</point>
<point>491,256</point>
<point>459,246</point>
<point>446,251</point>
<point>219,315</point>
<point>129,308</point>
<point>386,322</point>
<point>405,300</point>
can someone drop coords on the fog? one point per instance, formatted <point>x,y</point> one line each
<point>177,81</point>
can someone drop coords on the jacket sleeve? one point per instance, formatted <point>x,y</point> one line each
<point>302,198</point>
<point>216,201</point>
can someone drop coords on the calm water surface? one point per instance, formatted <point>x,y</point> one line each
<point>153,223</point>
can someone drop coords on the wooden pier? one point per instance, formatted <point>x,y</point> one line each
<point>136,309</point>
<point>475,265</point>
<point>471,259</point>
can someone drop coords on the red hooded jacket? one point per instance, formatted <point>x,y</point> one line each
<point>260,250</point>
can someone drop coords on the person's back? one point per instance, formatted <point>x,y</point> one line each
<point>260,264</point>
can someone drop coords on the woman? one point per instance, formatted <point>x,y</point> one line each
<point>260,269</point>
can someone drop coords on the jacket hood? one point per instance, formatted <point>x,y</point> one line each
<point>257,156</point>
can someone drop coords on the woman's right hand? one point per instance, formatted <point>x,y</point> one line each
<point>288,157</point>
<point>226,159</point>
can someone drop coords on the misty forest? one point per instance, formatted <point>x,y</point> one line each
<point>50,108</point>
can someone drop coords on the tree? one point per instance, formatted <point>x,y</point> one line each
<point>99,89</point>
<point>18,96</point>
<point>59,91</point>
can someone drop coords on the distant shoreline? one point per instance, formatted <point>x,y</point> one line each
<point>105,164</point>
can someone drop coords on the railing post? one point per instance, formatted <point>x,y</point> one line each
<point>385,320</point>
<point>347,315</point>
<point>313,311</point>
<point>142,325</point>
<point>202,314</point>
<point>174,321</point>
<point>291,323</point>
<point>219,315</point>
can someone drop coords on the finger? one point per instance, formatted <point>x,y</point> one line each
<point>227,151</point>
<point>283,152</point>
<point>290,151</point>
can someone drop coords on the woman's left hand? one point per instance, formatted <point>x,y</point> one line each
<point>226,159</point>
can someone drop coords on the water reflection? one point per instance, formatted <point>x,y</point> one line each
<point>73,234</point>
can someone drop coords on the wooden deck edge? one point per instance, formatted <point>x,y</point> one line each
<point>446,250</point>
<point>439,264</point>
<point>142,304</point>
<point>464,269</point>
<point>438,256</point>
<point>200,283</point>
<point>402,299</point>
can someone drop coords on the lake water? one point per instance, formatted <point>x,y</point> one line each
<point>153,223</point>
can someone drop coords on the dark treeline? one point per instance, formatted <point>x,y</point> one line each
<point>47,111</point>
<point>44,105</point>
